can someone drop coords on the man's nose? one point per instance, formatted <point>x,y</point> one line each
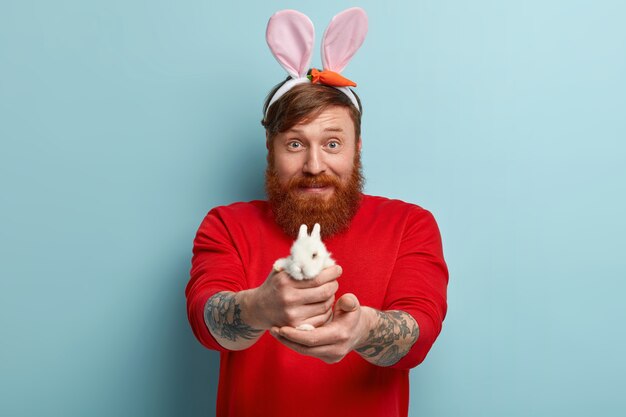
<point>314,163</point>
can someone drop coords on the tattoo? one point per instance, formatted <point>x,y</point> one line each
<point>392,338</point>
<point>223,315</point>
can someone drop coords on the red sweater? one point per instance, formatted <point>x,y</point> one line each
<point>392,259</point>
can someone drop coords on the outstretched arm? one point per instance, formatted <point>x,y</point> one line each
<point>415,306</point>
<point>380,337</point>
<point>391,335</point>
<point>237,319</point>
<point>226,319</point>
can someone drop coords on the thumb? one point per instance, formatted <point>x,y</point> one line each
<point>347,302</point>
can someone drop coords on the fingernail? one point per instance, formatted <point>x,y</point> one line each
<point>339,269</point>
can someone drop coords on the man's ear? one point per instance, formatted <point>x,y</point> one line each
<point>267,140</point>
<point>359,143</point>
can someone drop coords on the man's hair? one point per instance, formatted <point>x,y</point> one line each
<point>305,102</point>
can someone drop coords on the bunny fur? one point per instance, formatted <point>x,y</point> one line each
<point>308,258</point>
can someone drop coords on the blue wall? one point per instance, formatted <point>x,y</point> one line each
<point>123,122</point>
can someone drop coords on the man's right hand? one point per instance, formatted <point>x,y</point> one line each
<point>284,301</point>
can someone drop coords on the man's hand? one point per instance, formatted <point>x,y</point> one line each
<point>380,337</point>
<point>332,342</point>
<point>284,301</point>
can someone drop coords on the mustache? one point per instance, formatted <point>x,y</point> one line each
<point>319,180</point>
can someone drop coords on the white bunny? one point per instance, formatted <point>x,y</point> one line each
<point>308,258</point>
<point>308,255</point>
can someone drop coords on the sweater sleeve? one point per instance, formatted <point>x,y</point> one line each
<point>418,284</point>
<point>215,266</point>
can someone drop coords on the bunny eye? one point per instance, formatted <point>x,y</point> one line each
<point>314,255</point>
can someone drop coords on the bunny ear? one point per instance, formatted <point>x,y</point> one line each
<point>290,36</point>
<point>343,37</point>
<point>302,232</point>
<point>316,230</point>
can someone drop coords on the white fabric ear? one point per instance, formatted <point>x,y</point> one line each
<point>302,233</point>
<point>290,36</point>
<point>343,37</point>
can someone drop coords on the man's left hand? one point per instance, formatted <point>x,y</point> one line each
<point>331,342</point>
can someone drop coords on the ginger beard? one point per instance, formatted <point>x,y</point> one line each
<point>292,209</point>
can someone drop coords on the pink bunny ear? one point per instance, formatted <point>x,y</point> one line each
<point>343,37</point>
<point>290,36</point>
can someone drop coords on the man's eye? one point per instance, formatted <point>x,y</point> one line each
<point>333,145</point>
<point>294,145</point>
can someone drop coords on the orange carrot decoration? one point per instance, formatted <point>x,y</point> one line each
<point>328,77</point>
<point>290,36</point>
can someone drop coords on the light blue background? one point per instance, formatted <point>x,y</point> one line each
<point>123,122</point>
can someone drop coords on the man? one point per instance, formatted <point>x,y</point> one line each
<point>376,313</point>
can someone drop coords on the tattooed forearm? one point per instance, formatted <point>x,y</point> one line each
<point>222,314</point>
<point>392,337</point>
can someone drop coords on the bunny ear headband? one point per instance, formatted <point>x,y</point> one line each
<point>290,36</point>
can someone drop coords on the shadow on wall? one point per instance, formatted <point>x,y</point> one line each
<point>249,175</point>
<point>193,370</point>
<point>237,173</point>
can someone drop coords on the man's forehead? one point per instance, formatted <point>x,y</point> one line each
<point>332,119</point>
